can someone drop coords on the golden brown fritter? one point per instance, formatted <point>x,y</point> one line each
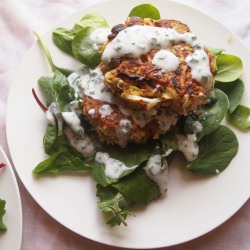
<point>118,128</point>
<point>150,100</point>
<point>144,86</point>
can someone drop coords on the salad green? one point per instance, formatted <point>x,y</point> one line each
<point>217,143</point>
<point>2,209</point>
<point>2,213</point>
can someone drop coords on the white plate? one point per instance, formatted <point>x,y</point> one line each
<point>11,239</point>
<point>193,206</point>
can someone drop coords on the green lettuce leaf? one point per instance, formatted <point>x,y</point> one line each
<point>145,11</point>
<point>229,68</point>
<point>61,162</point>
<point>216,150</point>
<point>2,213</point>
<point>239,118</point>
<point>234,91</point>
<point>113,205</point>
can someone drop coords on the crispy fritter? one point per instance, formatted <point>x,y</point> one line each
<point>145,86</point>
<point>150,100</point>
<point>115,127</point>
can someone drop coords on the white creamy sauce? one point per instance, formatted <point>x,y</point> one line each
<point>73,121</point>
<point>200,69</point>
<point>139,117</point>
<point>82,143</point>
<point>197,127</point>
<point>188,146</point>
<point>50,117</point>
<point>123,131</point>
<point>51,112</point>
<point>100,36</point>
<point>90,83</point>
<point>137,40</point>
<point>91,112</point>
<point>166,60</point>
<point>124,127</point>
<point>105,110</point>
<point>166,121</point>
<point>75,106</point>
<point>113,168</point>
<point>157,170</point>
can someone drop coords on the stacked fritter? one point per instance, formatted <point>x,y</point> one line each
<point>148,99</point>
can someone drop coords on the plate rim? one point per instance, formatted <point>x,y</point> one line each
<point>92,4</point>
<point>10,169</point>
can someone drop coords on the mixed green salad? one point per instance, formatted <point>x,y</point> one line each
<point>217,143</point>
<point>2,208</point>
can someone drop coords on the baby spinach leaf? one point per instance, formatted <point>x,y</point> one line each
<point>98,174</point>
<point>45,83</point>
<point>229,68</point>
<point>63,39</point>
<point>215,51</point>
<point>113,204</point>
<point>93,20</point>
<point>54,68</point>
<point>169,141</point>
<point>83,49</point>
<point>145,11</point>
<point>62,162</point>
<point>49,139</point>
<point>216,150</point>
<point>212,113</point>
<point>133,155</point>
<point>64,93</point>
<point>69,40</point>
<point>234,91</point>
<point>138,187</point>
<point>239,118</point>
<point>2,213</point>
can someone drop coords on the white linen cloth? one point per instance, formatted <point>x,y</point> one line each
<point>18,19</point>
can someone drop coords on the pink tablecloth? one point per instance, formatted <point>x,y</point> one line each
<point>18,18</point>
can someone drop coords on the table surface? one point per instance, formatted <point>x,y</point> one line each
<point>18,19</point>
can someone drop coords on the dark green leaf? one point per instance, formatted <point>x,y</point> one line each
<point>216,151</point>
<point>83,48</point>
<point>239,118</point>
<point>169,141</point>
<point>63,39</point>
<point>55,141</point>
<point>229,68</point>
<point>45,83</point>
<point>213,113</point>
<point>2,213</point>
<point>49,139</point>
<point>113,204</point>
<point>133,154</point>
<point>64,93</point>
<point>138,187</point>
<point>145,11</point>
<point>98,174</point>
<point>234,91</point>
<point>61,162</point>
